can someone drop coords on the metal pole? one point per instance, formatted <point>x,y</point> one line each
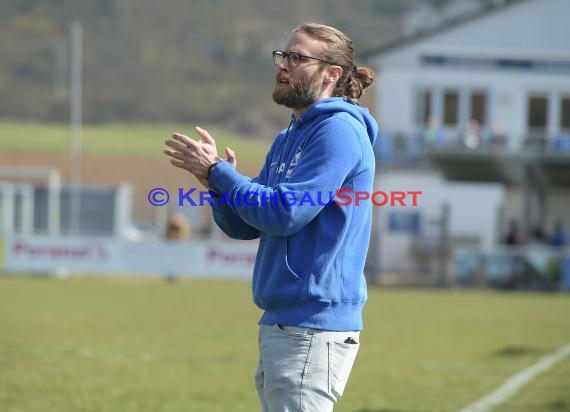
<point>75,126</point>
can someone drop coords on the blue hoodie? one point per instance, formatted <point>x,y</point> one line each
<point>310,262</point>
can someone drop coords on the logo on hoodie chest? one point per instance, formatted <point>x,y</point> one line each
<point>281,168</point>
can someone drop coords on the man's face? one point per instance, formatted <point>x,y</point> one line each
<point>300,86</point>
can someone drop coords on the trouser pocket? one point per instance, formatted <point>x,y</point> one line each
<point>341,360</point>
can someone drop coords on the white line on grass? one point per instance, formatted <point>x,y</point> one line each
<point>511,386</point>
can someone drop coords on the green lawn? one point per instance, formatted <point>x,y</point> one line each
<point>136,139</point>
<point>126,344</point>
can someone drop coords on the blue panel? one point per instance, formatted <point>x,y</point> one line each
<point>497,63</point>
<point>406,222</point>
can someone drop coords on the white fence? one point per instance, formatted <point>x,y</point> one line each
<point>62,255</point>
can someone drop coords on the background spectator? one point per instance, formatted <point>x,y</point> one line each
<point>558,236</point>
<point>177,227</point>
<point>514,236</point>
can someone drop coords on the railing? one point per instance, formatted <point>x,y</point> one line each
<point>397,148</point>
<point>514,268</point>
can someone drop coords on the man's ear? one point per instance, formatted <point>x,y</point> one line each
<point>333,74</point>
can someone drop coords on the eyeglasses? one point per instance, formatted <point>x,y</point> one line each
<point>293,58</point>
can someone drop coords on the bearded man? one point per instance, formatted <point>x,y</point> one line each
<point>308,275</point>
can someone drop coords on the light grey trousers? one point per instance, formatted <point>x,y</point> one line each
<point>302,369</point>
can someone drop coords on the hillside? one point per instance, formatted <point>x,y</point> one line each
<point>198,60</point>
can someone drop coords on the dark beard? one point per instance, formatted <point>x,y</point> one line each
<point>301,92</point>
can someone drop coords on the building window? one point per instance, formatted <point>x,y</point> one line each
<point>537,116</point>
<point>565,114</point>
<point>450,108</point>
<point>423,109</point>
<point>478,107</point>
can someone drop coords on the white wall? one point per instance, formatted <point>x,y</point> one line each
<point>474,211</point>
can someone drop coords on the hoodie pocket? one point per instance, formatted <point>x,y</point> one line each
<point>276,282</point>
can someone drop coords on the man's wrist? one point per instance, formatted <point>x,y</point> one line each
<point>210,168</point>
<point>213,192</point>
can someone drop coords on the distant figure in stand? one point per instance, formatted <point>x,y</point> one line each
<point>472,136</point>
<point>558,236</point>
<point>514,237</point>
<point>177,227</point>
<point>538,236</point>
<point>498,136</point>
<point>433,134</point>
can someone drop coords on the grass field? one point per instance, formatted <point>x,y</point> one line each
<point>126,344</point>
<point>124,139</point>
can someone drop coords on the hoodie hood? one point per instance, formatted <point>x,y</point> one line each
<point>332,105</point>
